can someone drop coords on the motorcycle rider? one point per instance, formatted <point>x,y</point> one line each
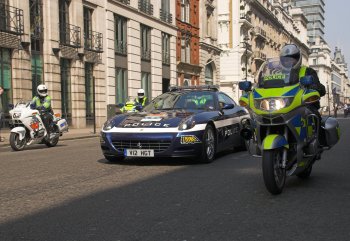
<point>42,102</point>
<point>141,98</point>
<point>290,57</point>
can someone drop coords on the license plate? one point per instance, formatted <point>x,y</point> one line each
<point>139,152</point>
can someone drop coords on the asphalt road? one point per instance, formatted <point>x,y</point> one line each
<point>71,193</point>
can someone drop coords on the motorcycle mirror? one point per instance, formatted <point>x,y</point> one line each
<point>307,80</point>
<point>245,85</point>
<point>11,106</point>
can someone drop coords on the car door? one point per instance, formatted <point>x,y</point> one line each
<point>230,127</point>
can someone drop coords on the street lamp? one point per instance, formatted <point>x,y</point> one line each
<point>246,39</point>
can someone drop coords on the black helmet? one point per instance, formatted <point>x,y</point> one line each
<point>290,56</point>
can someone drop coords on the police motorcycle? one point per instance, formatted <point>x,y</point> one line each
<point>27,127</point>
<point>282,129</point>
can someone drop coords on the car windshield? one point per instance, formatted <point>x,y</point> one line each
<point>193,100</point>
<point>277,73</point>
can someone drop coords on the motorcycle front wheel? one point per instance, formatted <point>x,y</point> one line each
<point>16,143</point>
<point>273,172</point>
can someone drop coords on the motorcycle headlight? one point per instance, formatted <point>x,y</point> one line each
<point>108,125</point>
<point>272,104</point>
<point>187,124</point>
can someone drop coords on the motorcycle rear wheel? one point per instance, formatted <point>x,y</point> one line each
<point>273,173</point>
<point>16,143</point>
<point>52,142</point>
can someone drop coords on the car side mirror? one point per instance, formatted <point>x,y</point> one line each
<point>228,106</point>
<point>245,85</point>
<point>11,106</point>
<point>307,80</point>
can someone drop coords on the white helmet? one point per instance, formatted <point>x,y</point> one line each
<point>42,90</point>
<point>141,93</point>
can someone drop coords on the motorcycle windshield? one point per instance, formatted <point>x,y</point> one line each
<point>277,73</point>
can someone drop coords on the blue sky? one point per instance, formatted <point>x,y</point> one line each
<point>337,26</point>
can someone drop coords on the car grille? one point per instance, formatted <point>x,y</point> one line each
<point>157,145</point>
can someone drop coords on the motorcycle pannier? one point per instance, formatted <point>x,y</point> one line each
<point>62,125</point>
<point>331,127</point>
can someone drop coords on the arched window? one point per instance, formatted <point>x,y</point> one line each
<point>209,75</point>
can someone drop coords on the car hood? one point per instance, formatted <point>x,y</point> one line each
<point>156,119</point>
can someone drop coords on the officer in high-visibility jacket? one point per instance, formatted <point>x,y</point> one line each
<point>141,98</point>
<point>42,102</point>
<point>128,107</point>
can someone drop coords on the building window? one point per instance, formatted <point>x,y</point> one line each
<point>5,78</point>
<point>120,35</point>
<point>145,43</point>
<point>146,84</point>
<point>314,61</point>
<point>186,49</point>
<point>66,90</point>
<point>209,76</point>
<point>89,93</point>
<point>166,48</point>
<point>64,21</point>
<point>87,28</point>
<point>121,90</point>
<point>37,71</point>
<point>185,11</point>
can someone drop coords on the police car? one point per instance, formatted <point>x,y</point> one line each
<point>196,121</point>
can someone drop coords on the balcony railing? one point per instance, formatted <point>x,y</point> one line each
<point>166,58</point>
<point>146,7</point>
<point>166,16</point>
<point>94,41</point>
<point>70,35</point>
<point>121,47</point>
<point>124,1</point>
<point>259,32</point>
<point>259,55</point>
<point>11,19</point>
<point>145,54</point>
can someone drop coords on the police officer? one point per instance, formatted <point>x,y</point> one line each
<point>129,106</point>
<point>141,98</point>
<point>42,102</point>
<point>290,58</point>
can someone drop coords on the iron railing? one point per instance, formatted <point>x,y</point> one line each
<point>70,35</point>
<point>146,7</point>
<point>165,16</point>
<point>121,47</point>
<point>93,41</point>
<point>145,54</point>
<point>260,55</point>
<point>166,58</point>
<point>260,32</point>
<point>245,17</point>
<point>124,1</point>
<point>11,19</point>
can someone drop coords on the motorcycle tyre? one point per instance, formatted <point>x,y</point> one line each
<point>53,142</point>
<point>14,139</point>
<point>268,166</point>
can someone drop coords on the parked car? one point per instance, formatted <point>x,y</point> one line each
<point>194,121</point>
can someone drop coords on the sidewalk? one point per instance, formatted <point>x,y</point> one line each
<point>72,134</point>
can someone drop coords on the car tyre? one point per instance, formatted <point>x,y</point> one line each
<point>209,145</point>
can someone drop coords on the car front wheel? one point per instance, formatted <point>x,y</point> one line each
<point>209,145</point>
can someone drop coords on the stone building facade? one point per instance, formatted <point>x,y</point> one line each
<point>250,32</point>
<point>209,51</point>
<point>86,52</point>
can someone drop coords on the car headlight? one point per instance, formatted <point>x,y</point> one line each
<point>187,124</point>
<point>272,104</point>
<point>108,125</point>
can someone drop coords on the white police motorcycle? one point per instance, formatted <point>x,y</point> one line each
<point>27,127</point>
